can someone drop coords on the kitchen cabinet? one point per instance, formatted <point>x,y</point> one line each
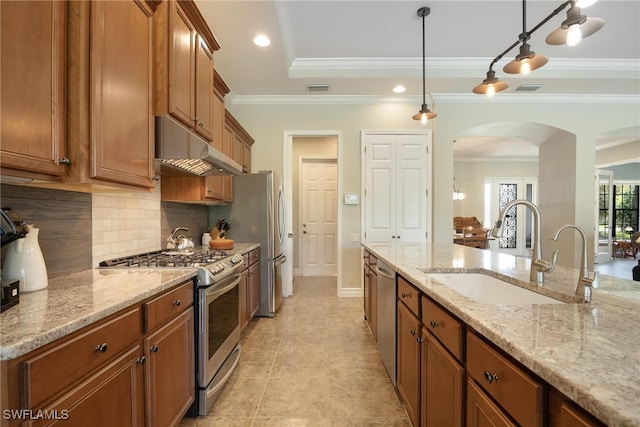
<point>442,373</point>
<point>220,90</point>
<point>370,292</point>
<point>515,391</point>
<point>396,168</point>
<point>207,190</point>
<point>133,368</point>
<point>32,89</point>
<point>237,142</point>
<point>110,122</point>
<point>408,349</point>
<point>250,287</point>
<point>565,413</point>
<point>184,76</point>
<point>481,411</point>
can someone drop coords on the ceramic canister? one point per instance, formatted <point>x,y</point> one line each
<point>24,261</point>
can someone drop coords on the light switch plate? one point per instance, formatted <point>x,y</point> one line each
<point>351,199</point>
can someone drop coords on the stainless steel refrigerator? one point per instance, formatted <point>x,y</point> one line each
<point>257,216</point>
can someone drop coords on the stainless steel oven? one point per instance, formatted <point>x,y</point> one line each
<point>218,335</point>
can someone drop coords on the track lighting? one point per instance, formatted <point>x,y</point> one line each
<point>572,30</point>
<point>424,114</point>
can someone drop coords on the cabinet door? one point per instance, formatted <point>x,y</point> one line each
<point>204,90</point>
<point>170,372</point>
<point>481,411</point>
<point>373,287</point>
<point>122,145</point>
<point>254,289</point>
<point>397,185</point>
<point>182,66</point>
<point>32,86</point>
<point>214,187</point>
<point>228,138</point>
<point>114,396</point>
<point>218,119</point>
<point>408,357</point>
<point>246,158</point>
<point>244,298</point>
<point>441,385</point>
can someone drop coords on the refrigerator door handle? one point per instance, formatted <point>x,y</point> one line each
<point>280,260</point>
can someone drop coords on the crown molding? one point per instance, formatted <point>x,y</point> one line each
<point>439,98</point>
<point>456,67</point>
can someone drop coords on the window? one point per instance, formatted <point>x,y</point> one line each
<point>625,210</point>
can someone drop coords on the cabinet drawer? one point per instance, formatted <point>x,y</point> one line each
<point>409,295</point>
<point>254,256</point>
<point>245,261</point>
<point>444,326</point>
<point>66,363</point>
<point>516,391</point>
<point>166,306</point>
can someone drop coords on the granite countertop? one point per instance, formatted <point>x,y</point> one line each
<point>71,302</point>
<point>588,351</point>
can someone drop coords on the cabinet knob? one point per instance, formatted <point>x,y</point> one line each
<point>413,332</point>
<point>141,360</point>
<point>403,295</point>
<point>195,119</point>
<point>434,324</point>
<point>201,124</point>
<point>155,348</point>
<point>419,340</point>
<point>101,347</point>
<point>177,303</point>
<point>490,377</point>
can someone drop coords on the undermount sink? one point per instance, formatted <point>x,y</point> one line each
<point>490,290</point>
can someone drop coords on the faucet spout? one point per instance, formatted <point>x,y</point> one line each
<point>585,281</point>
<point>538,265</point>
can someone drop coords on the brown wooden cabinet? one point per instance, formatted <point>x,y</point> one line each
<point>237,143</point>
<point>32,89</point>
<point>110,372</point>
<point>408,358</point>
<point>370,292</point>
<point>109,78</point>
<point>220,89</point>
<point>183,47</point>
<point>254,282</point>
<point>562,412</point>
<point>207,190</point>
<point>442,372</point>
<point>481,411</point>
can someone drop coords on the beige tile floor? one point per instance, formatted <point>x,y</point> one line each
<point>314,364</point>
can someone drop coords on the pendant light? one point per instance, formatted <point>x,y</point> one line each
<point>575,28</point>
<point>526,61</point>
<point>424,114</point>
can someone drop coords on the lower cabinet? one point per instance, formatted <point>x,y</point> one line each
<point>370,292</point>
<point>134,368</point>
<point>481,411</point>
<point>408,357</point>
<point>250,287</point>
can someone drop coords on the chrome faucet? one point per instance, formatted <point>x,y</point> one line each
<point>585,281</point>
<point>538,265</point>
<point>171,240</point>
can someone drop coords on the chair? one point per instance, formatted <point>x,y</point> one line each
<point>461,222</point>
<point>475,237</point>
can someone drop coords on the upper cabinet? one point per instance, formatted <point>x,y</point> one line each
<point>32,88</point>
<point>238,142</point>
<point>77,114</point>
<point>184,46</point>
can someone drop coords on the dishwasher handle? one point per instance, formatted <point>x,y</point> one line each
<point>384,273</point>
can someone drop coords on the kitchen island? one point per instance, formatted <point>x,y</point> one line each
<point>590,352</point>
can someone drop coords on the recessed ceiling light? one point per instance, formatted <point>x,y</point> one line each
<point>261,40</point>
<point>399,89</point>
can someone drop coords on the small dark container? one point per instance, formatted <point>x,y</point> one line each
<point>636,272</point>
<point>10,294</point>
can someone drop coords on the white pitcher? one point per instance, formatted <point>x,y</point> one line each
<point>24,261</point>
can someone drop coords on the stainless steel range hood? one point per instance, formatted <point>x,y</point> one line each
<point>181,152</point>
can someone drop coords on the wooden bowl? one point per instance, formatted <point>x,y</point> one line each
<point>221,244</point>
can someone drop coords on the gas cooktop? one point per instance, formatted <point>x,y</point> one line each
<point>167,258</point>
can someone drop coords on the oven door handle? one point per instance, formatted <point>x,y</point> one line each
<point>216,293</point>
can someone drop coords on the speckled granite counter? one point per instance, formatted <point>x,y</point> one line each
<point>71,302</point>
<point>590,352</point>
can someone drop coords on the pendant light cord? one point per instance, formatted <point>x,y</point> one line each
<point>424,101</point>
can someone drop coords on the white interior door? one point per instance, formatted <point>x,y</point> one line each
<point>319,217</point>
<point>517,228</point>
<point>603,216</point>
<point>396,187</point>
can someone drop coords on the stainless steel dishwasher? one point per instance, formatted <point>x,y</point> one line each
<point>386,317</point>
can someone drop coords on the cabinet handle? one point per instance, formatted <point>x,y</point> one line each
<point>413,332</point>
<point>201,124</point>
<point>177,302</point>
<point>101,347</point>
<point>419,340</point>
<point>434,324</point>
<point>490,377</point>
<point>141,360</point>
<point>195,119</point>
<point>64,161</point>
<point>403,295</point>
<point>155,348</point>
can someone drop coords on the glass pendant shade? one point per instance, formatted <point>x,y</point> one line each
<point>525,62</point>
<point>575,22</point>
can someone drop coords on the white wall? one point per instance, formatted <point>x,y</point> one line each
<point>267,122</point>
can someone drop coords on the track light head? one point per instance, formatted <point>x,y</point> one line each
<point>575,28</point>
<point>525,62</point>
<point>491,85</point>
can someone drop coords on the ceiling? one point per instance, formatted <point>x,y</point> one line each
<point>362,49</point>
